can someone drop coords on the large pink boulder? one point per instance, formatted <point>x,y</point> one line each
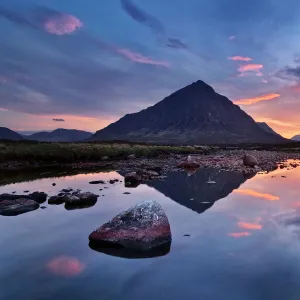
<point>143,227</point>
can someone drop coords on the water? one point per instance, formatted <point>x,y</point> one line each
<point>243,243</point>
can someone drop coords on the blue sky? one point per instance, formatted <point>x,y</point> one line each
<point>90,62</point>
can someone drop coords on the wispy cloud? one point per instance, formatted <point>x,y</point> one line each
<point>58,120</point>
<point>240,234</point>
<point>240,58</point>
<point>249,226</point>
<point>43,18</point>
<point>244,69</point>
<point>139,58</point>
<point>249,101</point>
<point>232,37</point>
<point>142,17</point>
<point>252,193</point>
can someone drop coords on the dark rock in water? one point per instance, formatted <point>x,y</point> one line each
<point>13,197</point>
<point>133,179</point>
<point>97,182</point>
<point>56,200</point>
<point>39,197</point>
<point>17,206</point>
<point>128,253</point>
<point>80,200</point>
<point>66,190</point>
<point>53,184</point>
<point>186,235</point>
<point>43,207</point>
<point>126,193</point>
<point>142,227</point>
<point>249,160</point>
<point>26,191</point>
<point>13,192</point>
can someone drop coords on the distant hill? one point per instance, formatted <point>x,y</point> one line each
<point>296,138</point>
<point>195,114</point>
<point>60,135</point>
<point>7,134</point>
<point>267,128</point>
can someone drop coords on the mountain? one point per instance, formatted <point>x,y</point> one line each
<point>7,134</point>
<point>195,114</point>
<point>267,128</point>
<point>60,135</point>
<point>296,138</point>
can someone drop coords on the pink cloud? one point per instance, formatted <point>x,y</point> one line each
<point>249,101</point>
<point>139,58</point>
<point>232,37</point>
<point>248,68</point>
<point>65,266</point>
<point>240,58</point>
<point>264,81</point>
<point>62,24</point>
<point>238,235</point>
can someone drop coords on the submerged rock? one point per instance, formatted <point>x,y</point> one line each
<point>17,206</point>
<point>143,227</point>
<point>249,160</point>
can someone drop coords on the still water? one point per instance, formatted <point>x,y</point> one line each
<point>243,240</point>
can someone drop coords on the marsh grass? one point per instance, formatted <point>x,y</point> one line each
<point>75,152</point>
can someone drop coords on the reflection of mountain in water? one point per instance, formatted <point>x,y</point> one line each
<point>194,192</point>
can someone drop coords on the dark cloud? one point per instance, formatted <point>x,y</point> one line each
<point>17,18</point>
<point>176,44</point>
<point>58,120</point>
<point>153,23</point>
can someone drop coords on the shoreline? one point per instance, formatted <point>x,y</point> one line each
<point>224,160</point>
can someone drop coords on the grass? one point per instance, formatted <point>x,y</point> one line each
<point>82,152</point>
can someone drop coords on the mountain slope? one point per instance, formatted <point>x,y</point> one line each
<point>7,134</point>
<point>267,128</point>
<point>195,114</point>
<point>60,135</point>
<point>296,138</point>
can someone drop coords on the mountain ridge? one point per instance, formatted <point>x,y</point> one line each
<point>192,115</point>
<point>8,134</point>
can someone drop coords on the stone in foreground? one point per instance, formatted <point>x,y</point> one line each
<point>249,160</point>
<point>189,163</point>
<point>143,227</point>
<point>80,200</point>
<point>17,206</point>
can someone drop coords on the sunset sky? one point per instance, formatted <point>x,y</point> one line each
<point>84,64</point>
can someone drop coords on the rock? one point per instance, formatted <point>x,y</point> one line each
<point>43,207</point>
<point>131,156</point>
<point>143,227</point>
<point>66,190</point>
<point>249,160</point>
<point>132,179</point>
<point>189,163</point>
<point>56,200</point>
<point>26,191</point>
<point>13,197</point>
<point>186,235</point>
<point>17,206</point>
<point>39,197</point>
<point>104,158</point>
<point>126,193</point>
<point>97,182</point>
<point>156,169</point>
<point>80,200</point>
<point>53,184</point>
<point>112,181</point>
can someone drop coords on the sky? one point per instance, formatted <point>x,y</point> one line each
<point>84,64</point>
